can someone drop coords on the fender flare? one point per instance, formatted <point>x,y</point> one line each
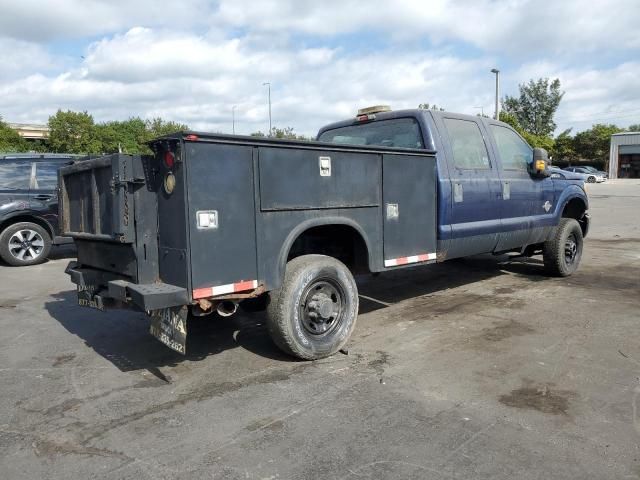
<point>302,227</point>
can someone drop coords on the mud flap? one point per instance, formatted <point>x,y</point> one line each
<point>169,325</point>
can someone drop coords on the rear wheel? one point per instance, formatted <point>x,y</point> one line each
<point>314,312</point>
<point>563,252</point>
<point>24,243</point>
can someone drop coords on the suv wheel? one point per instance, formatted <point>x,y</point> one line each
<point>24,243</point>
<point>314,312</point>
<point>591,179</point>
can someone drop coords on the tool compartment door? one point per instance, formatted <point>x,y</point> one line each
<point>409,209</point>
<point>220,182</point>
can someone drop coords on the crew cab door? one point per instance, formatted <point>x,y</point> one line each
<point>475,186</point>
<point>526,200</point>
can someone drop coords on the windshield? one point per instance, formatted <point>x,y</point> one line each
<point>399,132</point>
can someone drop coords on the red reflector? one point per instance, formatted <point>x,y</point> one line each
<point>169,159</point>
<point>191,137</point>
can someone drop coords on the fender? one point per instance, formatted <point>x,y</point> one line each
<point>28,215</point>
<point>319,222</point>
<point>568,194</point>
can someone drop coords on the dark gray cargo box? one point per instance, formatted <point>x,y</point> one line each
<point>240,207</point>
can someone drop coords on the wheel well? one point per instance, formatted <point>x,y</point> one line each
<point>339,241</point>
<point>575,208</point>
<point>26,218</point>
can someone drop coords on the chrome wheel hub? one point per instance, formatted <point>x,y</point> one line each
<point>26,244</point>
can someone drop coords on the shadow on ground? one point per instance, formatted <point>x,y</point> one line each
<point>122,336</point>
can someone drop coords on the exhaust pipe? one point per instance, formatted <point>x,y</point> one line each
<point>226,308</point>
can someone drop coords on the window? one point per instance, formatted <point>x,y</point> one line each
<point>400,132</point>
<point>14,175</point>
<point>47,175</point>
<point>514,152</point>
<point>469,149</point>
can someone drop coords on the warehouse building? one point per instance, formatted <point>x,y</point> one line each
<point>624,155</point>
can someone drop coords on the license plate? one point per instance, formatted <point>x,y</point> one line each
<point>169,325</point>
<point>87,297</point>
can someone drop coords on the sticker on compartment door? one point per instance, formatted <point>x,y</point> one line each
<point>207,219</point>
<point>325,166</point>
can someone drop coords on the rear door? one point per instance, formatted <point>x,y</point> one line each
<point>44,198</point>
<point>475,185</point>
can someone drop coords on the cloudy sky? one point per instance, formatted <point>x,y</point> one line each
<point>192,60</point>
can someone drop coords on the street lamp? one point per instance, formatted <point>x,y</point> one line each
<point>233,118</point>
<point>268,84</point>
<point>497,72</point>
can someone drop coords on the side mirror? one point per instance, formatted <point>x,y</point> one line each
<point>540,162</point>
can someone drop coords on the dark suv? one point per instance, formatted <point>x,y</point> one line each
<point>29,206</point>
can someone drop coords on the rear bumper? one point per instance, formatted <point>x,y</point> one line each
<point>109,288</point>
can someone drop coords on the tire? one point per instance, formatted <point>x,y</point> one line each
<point>253,305</point>
<point>591,180</point>
<point>24,243</point>
<point>314,313</point>
<point>562,254</point>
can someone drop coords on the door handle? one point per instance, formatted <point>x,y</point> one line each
<point>43,197</point>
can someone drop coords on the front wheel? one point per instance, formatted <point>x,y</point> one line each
<point>591,180</point>
<point>314,312</point>
<point>563,252</point>
<point>24,243</point>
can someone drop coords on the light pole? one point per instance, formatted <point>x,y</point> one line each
<point>497,72</point>
<point>268,84</point>
<point>233,118</point>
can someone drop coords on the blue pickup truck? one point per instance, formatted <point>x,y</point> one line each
<point>211,222</point>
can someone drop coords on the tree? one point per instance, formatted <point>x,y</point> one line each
<point>536,106</point>
<point>634,128</point>
<point>541,141</point>
<point>426,106</point>
<point>594,143</point>
<point>73,132</point>
<point>10,140</point>
<point>563,148</point>
<point>286,133</point>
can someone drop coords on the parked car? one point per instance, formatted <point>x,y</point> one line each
<point>210,221</point>
<point>29,206</point>
<point>592,175</point>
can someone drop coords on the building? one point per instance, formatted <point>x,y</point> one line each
<point>31,131</point>
<point>624,155</point>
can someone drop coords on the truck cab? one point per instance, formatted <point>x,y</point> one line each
<point>491,199</point>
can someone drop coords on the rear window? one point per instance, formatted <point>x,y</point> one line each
<point>399,133</point>
<point>47,175</point>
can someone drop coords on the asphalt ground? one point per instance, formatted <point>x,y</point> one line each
<point>479,368</point>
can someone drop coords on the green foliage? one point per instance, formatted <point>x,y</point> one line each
<point>563,148</point>
<point>72,132</point>
<point>426,106</point>
<point>76,132</point>
<point>536,106</point>
<point>541,141</point>
<point>286,133</point>
<point>634,128</point>
<point>10,140</point>
<point>594,143</point>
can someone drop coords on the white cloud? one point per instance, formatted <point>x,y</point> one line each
<point>191,61</point>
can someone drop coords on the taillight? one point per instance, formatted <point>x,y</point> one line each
<point>169,159</point>
<point>191,136</point>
